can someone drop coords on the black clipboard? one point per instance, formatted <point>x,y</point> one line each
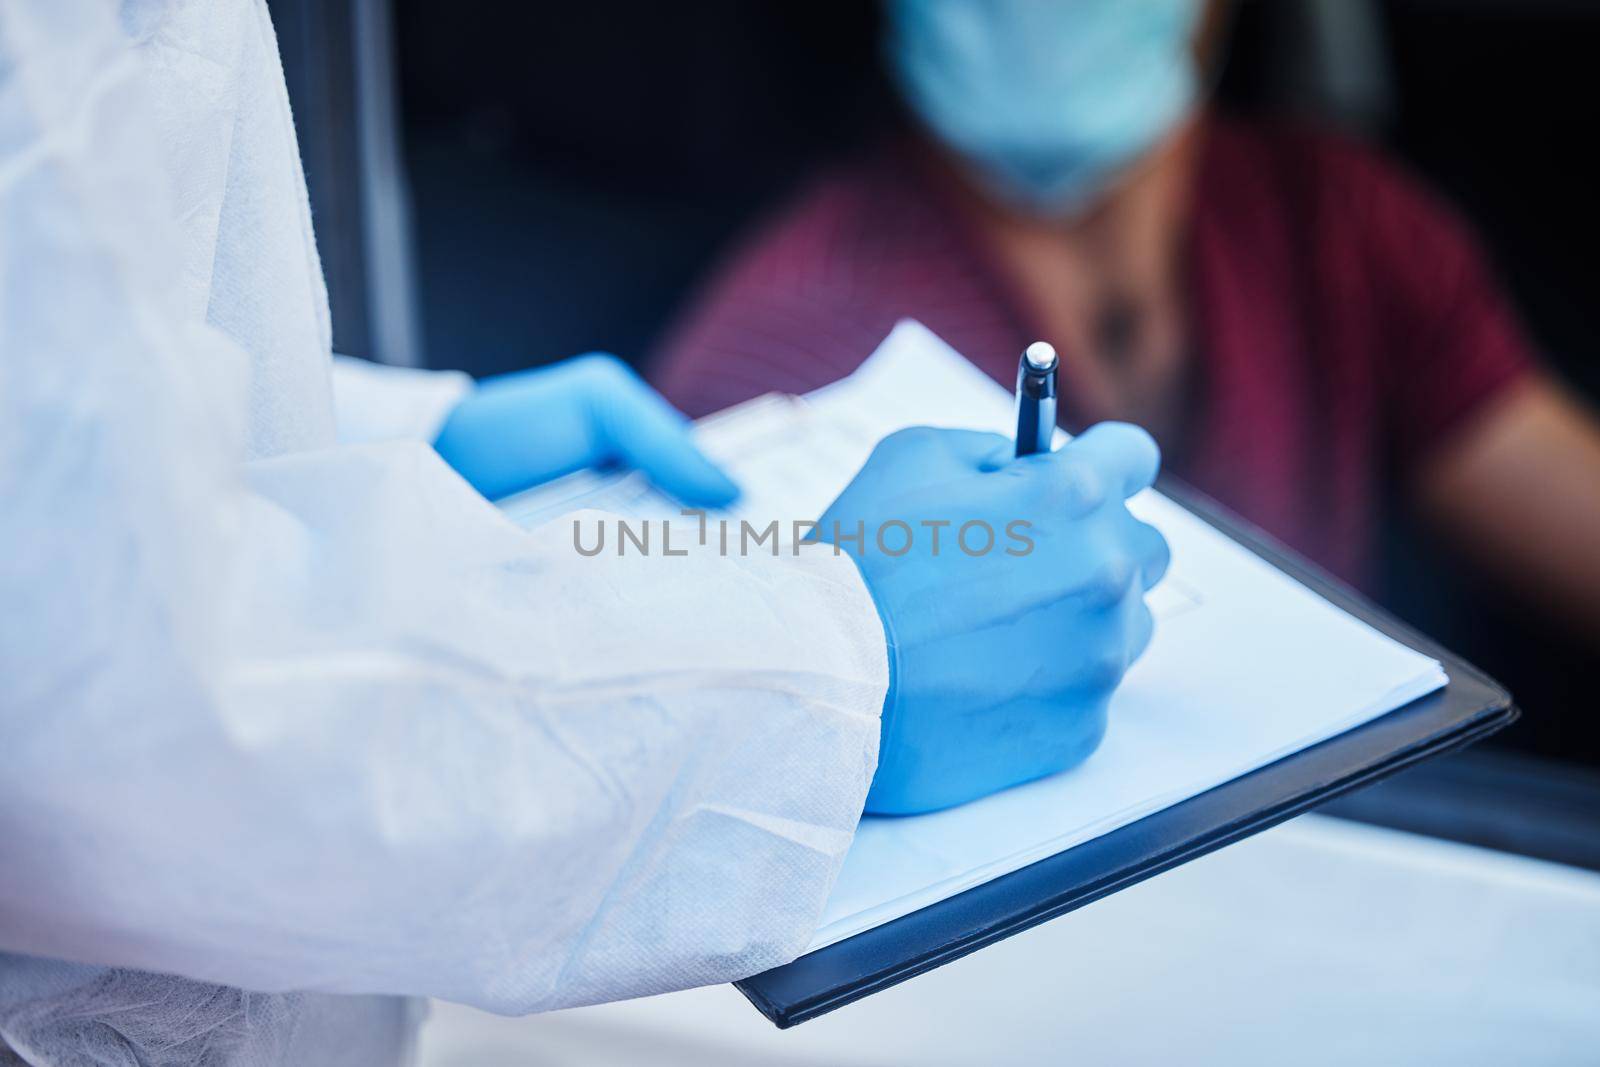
<point>1471,706</point>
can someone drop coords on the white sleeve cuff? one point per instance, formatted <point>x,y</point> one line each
<point>374,402</point>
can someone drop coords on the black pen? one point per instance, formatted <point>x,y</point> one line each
<point>1036,399</point>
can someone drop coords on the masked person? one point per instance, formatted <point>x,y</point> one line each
<point>1306,331</point>
<point>289,710</point>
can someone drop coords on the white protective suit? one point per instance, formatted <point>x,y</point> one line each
<point>286,714</point>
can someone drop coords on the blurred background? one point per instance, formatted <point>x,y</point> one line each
<point>499,185</point>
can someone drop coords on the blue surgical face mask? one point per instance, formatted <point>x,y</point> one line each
<point>1048,100</point>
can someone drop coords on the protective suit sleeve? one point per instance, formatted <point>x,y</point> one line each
<point>328,721</point>
<point>373,402</point>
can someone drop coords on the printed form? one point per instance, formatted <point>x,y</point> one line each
<point>1246,666</point>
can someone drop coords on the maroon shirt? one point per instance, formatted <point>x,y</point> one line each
<point>1343,322</point>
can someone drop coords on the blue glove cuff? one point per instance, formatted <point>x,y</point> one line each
<point>891,695</point>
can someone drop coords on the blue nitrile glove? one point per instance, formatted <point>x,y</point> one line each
<point>521,429</point>
<point>1002,661</point>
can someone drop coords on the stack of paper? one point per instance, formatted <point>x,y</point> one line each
<point>1246,666</point>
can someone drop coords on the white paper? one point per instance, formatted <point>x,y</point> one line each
<point>1246,666</point>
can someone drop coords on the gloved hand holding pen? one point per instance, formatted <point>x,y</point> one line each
<point>1003,660</point>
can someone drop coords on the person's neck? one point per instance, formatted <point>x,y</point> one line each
<point>1131,234</point>
<point>1111,276</point>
